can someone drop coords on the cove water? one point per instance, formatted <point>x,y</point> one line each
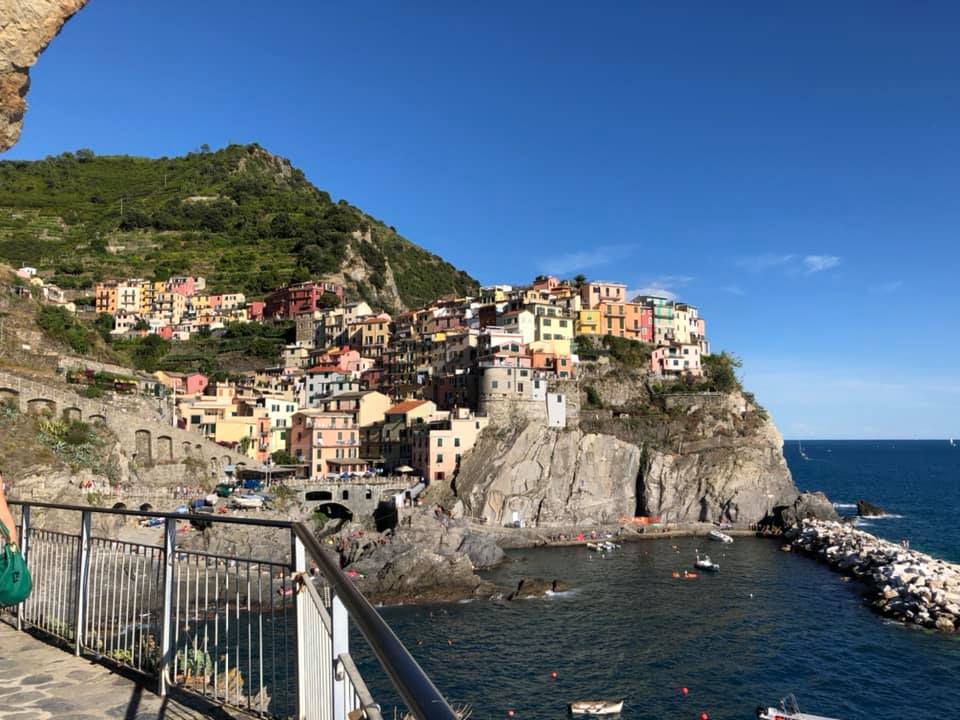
<point>767,624</point>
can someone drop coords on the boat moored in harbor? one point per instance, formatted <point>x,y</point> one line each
<point>788,710</point>
<point>703,562</point>
<point>596,707</point>
<point>720,537</point>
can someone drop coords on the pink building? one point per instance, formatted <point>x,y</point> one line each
<point>676,359</point>
<point>437,448</point>
<point>185,285</point>
<point>165,331</point>
<point>594,293</point>
<point>546,282</point>
<point>328,442</point>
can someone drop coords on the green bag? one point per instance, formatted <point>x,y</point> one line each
<point>15,580</point>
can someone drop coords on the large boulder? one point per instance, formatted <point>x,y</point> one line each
<point>536,588</point>
<point>807,506</point>
<point>429,557</point>
<point>865,509</point>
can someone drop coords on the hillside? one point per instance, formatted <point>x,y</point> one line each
<point>246,220</point>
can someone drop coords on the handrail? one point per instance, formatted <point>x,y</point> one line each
<point>413,685</point>
<point>208,517</point>
<point>416,689</point>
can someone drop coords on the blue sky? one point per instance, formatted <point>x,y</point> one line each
<point>792,171</point>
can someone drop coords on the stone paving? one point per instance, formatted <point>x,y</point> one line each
<point>42,682</point>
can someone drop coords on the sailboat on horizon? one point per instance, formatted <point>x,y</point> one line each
<point>802,453</point>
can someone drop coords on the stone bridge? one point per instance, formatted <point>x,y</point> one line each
<point>145,440</point>
<point>359,496</point>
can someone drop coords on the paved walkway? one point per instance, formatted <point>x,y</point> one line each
<point>42,682</point>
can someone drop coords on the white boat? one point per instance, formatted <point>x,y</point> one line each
<point>952,443</point>
<point>788,710</point>
<point>596,707</point>
<point>719,536</point>
<point>602,546</point>
<point>254,502</point>
<point>703,562</point>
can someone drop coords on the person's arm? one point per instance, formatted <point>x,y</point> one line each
<point>6,517</point>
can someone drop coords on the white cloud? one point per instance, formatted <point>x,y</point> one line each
<point>664,286</point>
<point>655,290</point>
<point>759,263</point>
<point>584,259</point>
<point>819,263</point>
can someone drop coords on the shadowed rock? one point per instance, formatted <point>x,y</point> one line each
<point>865,509</point>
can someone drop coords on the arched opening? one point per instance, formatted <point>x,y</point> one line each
<point>164,449</point>
<point>335,511</point>
<point>97,419</point>
<point>39,406</point>
<point>72,413</point>
<point>143,445</point>
<point>368,494</point>
<point>187,448</point>
<point>9,395</point>
<point>345,495</point>
<point>318,496</point>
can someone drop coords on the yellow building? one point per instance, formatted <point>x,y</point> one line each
<point>105,297</point>
<point>552,328</point>
<point>588,322</point>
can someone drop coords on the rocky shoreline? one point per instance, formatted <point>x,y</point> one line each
<point>906,585</point>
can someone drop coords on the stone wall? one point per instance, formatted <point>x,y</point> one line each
<point>143,439</point>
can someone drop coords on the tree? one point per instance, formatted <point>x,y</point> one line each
<point>721,371</point>
<point>282,457</point>
<point>579,280</point>
<point>141,325</point>
<point>104,325</point>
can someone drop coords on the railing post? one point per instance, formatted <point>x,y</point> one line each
<point>24,550</point>
<point>340,619</point>
<point>80,587</point>
<point>166,640</point>
<point>298,564</point>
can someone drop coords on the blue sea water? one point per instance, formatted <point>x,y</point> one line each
<point>769,623</point>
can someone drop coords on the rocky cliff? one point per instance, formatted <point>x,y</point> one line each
<point>685,457</point>
<point>26,28</point>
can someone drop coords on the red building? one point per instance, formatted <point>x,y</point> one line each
<point>255,309</point>
<point>292,300</point>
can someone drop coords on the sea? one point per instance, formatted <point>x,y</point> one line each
<point>769,623</point>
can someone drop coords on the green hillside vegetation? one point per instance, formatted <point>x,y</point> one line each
<point>242,218</point>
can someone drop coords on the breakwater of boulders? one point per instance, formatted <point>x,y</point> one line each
<point>903,584</point>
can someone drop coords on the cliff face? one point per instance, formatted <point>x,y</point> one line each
<point>549,476</point>
<point>686,458</point>
<point>26,27</point>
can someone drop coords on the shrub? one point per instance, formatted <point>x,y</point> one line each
<point>593,397</point>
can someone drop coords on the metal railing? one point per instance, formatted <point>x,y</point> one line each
<point>259,634</point>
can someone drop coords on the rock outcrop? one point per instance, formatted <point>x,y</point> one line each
<point>26,28</point>
<point>430,559</point>
<point>684,458</point>
<point>904,584</point>
<point>529,588</point>
<point>866,509</point>
<point>545,476</point>
<point>807,506</point>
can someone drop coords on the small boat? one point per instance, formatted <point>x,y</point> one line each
<point>703,562</point>
<point>685,574</point>
<point>719,536</point>
<point>788,710</point>
<point>254,502</point>
<point>596,707</point>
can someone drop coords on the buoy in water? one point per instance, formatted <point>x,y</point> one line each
<point>684,691</point>
<point>509,713</point>
<point>554,674</point>
<point>704,716</point>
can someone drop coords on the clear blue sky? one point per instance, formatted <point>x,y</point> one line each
<point>794,172</point>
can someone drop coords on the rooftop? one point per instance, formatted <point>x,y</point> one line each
<point>405,407</point>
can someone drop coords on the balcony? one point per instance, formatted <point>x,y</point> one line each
<point>230,636</point>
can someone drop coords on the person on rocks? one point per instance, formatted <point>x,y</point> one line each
<point>6,517</point>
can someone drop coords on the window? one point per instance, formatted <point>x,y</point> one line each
<point>439,442</point>
<point>339,436</point>
<point>559,398</point>
<point>547,321</point>
<point>519,387</point>
<point>439,457</point>
<point>563,323</point>
<point>368,495</point>
<point>456,458</point>
<point>345,495</point>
